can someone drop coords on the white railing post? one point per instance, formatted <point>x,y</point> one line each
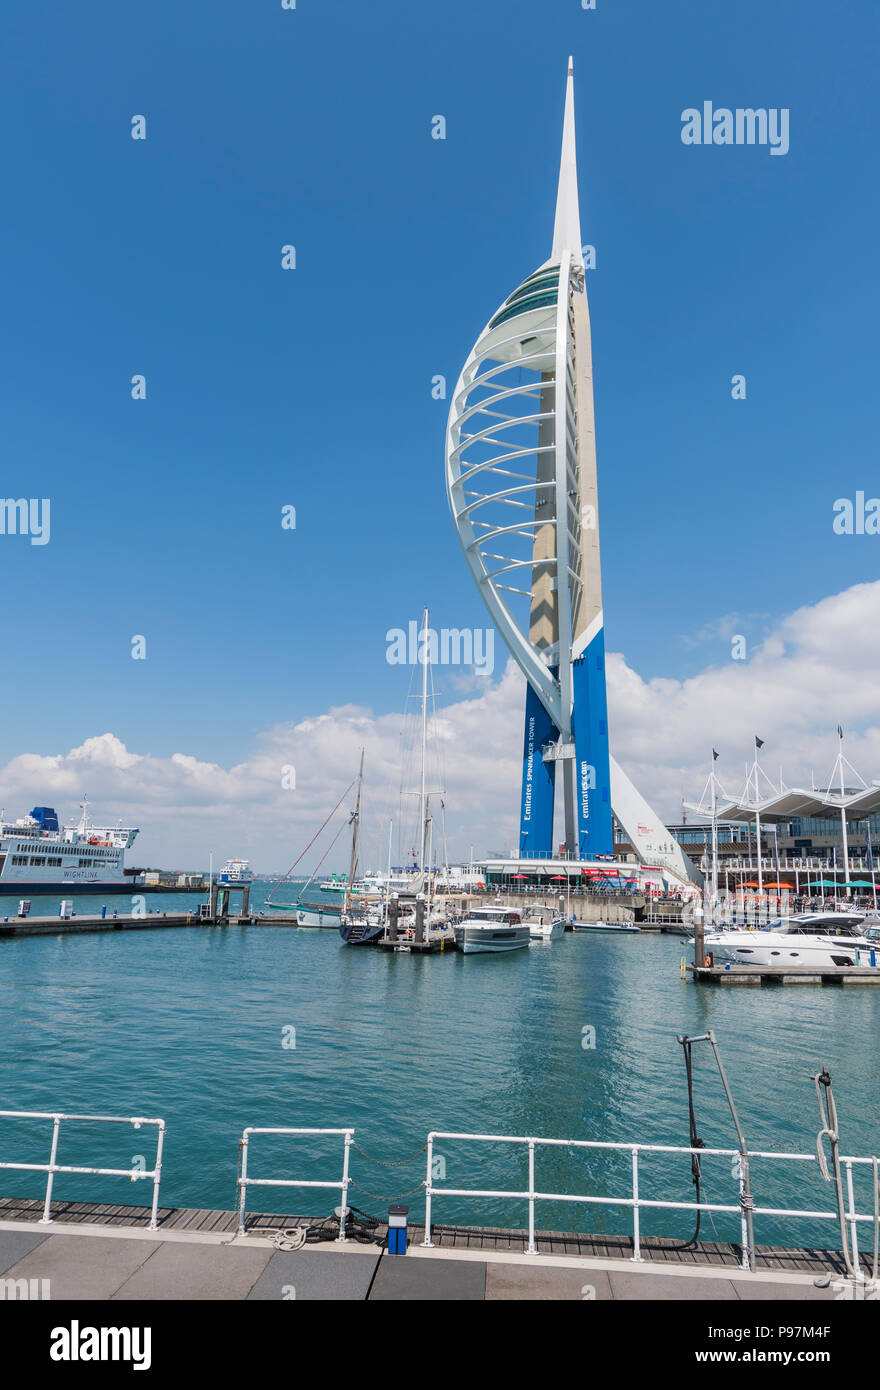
<point>854,1239</point>
<point>50,1176</point>
<point>637,1247</point>
<point>157,1175</point>
<point>53,1166</point>
<point>427,1242</point>
<point>242,1181</point>
<point>345,1181</point>
<point>531,1246</point>
<point>745,1262</point>
<point>339,1184</point>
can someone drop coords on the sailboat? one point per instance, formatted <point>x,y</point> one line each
<point>365,923</point>
<point>322,915</point>
<point>361,924</point>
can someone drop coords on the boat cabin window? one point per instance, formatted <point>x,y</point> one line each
<point>839,927</point>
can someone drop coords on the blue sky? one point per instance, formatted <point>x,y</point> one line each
<point>312,387</point>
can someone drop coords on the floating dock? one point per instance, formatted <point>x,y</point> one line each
<point>64,926</point>
<point>786,974</point>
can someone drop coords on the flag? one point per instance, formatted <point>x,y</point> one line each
<point>714,755</point>
<point>869,859</point>
<point>759,742</point>
<point>839,732</point>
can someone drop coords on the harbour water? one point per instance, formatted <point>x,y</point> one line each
<point>217,1028</point>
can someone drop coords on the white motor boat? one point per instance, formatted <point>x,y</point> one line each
<point>606,926</point>
<point>492,929</point>
<point>817,939</point>
<point>544,923</point>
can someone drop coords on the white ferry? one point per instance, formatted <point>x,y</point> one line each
<point>236,871</point>
<point>38,855</point>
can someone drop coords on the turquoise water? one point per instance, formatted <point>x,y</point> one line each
<point>189,1025</point>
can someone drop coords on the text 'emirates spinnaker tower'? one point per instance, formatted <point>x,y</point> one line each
<point>521,479</point>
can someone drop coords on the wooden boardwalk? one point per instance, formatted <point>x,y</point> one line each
<point>654,1249</point>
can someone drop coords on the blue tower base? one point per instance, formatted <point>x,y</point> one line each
<point>538,781</point>
<point>592,768</point>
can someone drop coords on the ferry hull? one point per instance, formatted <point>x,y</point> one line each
<point>67,890</point>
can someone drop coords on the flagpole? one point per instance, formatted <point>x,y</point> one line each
<point>714,835</point>
<point>758,824</point>
<point>843,812</point>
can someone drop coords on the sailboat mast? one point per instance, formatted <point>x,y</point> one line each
<point>354,836</point>
<point>843,815</point>
<point>388,876</point>
<point>758,826</point>
<point>714,879</point>
<point>423,805</point>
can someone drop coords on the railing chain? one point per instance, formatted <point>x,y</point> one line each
<point>397,1163</point>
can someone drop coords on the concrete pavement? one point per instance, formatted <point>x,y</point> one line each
<point>130,1264</point>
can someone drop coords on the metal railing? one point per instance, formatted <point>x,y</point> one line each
<point>53,1167</point>
<point>791,861</point>
<point>577,888</point>
<point>635,1201</point>
<point>244,1182</point>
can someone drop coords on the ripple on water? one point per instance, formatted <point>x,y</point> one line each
<point>190,1025</point>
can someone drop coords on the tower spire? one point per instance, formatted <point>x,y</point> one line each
<point>567,227</point>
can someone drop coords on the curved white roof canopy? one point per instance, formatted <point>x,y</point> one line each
<point>797,801</point>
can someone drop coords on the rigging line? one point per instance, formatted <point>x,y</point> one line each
<point>344,826</point>
<point>407,833</point>
<point>284,877</point>
<point>696,1163</point>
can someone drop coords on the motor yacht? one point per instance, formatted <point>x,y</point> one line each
<point>492,929</point>
<point>810,938</point>
<point>630,927</point>
<point>544,923</point>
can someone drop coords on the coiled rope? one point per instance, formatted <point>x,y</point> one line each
<point>359,1226</point>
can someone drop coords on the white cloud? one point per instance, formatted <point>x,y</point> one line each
<point>815,669</point>
<point>722,629</point>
